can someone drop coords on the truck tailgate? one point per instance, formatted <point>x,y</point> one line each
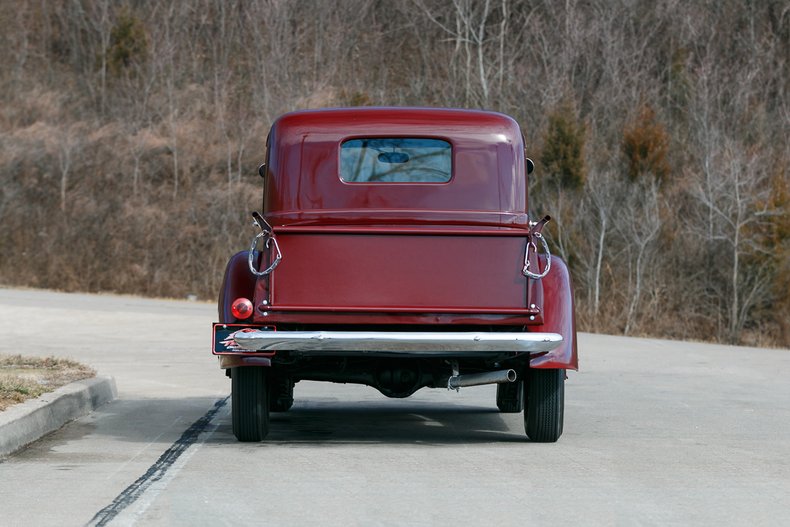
<point>437,272</point>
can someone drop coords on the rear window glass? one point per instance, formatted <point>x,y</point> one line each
<point>395,160</point>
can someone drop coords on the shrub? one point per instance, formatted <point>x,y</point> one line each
<point>563,151</point>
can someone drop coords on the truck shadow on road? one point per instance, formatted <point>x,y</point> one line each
<point>309,422</point>
<point>374,423</point>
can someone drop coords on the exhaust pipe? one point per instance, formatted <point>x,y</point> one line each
<point>476,379</point>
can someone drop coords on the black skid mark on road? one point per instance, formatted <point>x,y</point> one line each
<point>133,492</point>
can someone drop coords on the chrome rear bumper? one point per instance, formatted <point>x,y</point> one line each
<point>394,342</point>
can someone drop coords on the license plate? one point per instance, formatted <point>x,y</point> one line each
<point>224,334</point>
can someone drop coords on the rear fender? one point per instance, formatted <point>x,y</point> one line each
<point>238,282</point>
<point>559,316</point>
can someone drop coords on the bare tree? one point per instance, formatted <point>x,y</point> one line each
<point>639,224</point>
<point>600,199</point>
<point>468,32</point>
<point>67,147</point>
<point>736,204</point>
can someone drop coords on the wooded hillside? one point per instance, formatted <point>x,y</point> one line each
<point>130,133</point>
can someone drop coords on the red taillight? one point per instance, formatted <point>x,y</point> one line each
<point>241,308</point>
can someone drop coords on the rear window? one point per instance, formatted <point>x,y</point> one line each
<point>395,160</point>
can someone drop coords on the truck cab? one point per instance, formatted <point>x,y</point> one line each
<point>395,249</point>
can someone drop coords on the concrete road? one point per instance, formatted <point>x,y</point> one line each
<point>656,433</point>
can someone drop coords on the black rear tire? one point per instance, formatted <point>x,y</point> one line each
<point>510,397</point>
<point>544,404</point>
<point>249,401</point>
<point>281,394</point>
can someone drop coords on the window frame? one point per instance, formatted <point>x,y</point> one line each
<point>443,139</point>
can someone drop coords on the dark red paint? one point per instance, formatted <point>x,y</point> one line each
<point>237,282</point>
<point>488,186</point>
<point>388,254</point>
<point>558,317</point>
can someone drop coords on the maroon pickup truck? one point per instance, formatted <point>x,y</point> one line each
<point>395,250</point>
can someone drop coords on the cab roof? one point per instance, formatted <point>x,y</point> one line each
<point>389,119</point>
<point>304,186</point>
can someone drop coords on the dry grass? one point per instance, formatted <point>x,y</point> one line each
<point>23,378</point>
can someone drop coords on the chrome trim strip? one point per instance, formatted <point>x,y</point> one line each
<point>397,342</point>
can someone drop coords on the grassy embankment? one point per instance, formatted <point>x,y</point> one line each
<point>23,378</point>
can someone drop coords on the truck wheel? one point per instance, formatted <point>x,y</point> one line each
<point>249,401</point>
<point>281,394</point>
<point>544,404</point>
<point>510,397</point>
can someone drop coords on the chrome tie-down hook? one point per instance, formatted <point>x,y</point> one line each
<point>268,233</point>
<point>535,233</point>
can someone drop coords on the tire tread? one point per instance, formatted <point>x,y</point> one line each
<point>510,397</point>
<point>544,407</point>
<point>249,403</point>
